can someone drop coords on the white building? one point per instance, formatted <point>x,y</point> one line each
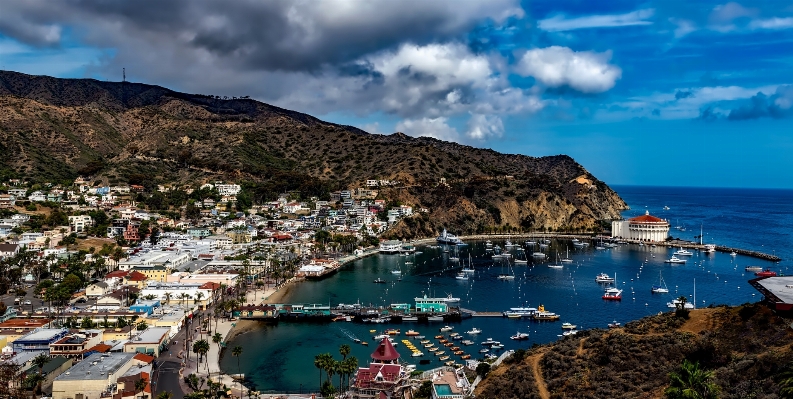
<point>80,223</point>
<point>643,228</point>
<point>228,189</point>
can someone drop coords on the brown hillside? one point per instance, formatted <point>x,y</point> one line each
<point>55,129</point>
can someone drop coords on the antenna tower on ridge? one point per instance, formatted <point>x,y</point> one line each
<point>124,74</point>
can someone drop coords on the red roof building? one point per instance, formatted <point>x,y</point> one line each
<point>384,377</point>
<point>641,228</point>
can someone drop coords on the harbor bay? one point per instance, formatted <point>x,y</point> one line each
<point>280,357</point>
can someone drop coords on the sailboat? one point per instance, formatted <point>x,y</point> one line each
<point>503,276</point>
<point>470,268</point>
<point>567,257</point>
<point>520,261</point>
<point>556,265</point>
<point>455,257</point>
<point>661,287</point>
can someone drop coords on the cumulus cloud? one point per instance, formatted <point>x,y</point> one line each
<point>483,127</point>
<point>778,105</point>
<point>555,66</point>
<point>723,17</point>
<point>429,127</point>
<point>772,23</point>
<point>560,22</point>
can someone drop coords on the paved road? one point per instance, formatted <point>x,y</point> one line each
<point>166,379</point>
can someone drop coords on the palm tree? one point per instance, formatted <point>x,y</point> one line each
<point>165,395</point>
<point>236,352</point>
<point>217,338</point>
<point>691,382</point>
<point>351,367</point>
<point>681,302</point>
<point>344,350</point>
<point>167,296</point>
<point>40,361</point>
<point>201,347</point>
<point>318,364</point>
<point>140,385</point>
<point>198,297</point>
<point>785,380</point>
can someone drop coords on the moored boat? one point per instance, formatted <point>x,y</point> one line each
<point>519,336</point>
<point>604,278</point>
<point>766,273</point>
<point>473,331</point>
<point>675,260</point>
<point>613,294</point>
<point>753,269</point>
<point>568,326</point>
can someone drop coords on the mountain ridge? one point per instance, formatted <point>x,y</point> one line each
<point>120,131</point>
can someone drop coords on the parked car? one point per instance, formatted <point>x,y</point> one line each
<point>27,302</point>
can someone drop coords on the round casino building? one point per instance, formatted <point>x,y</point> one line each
<point>643,228</point>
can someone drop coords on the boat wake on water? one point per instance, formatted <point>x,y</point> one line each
<point>349,334</point>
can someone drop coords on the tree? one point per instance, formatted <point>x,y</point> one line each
<point>344,350</point>
<point>217,338</point>
<point>691,382</point>
<point>201,347</point>
<point>318,363</point>
<point>425,390</point>
<point>140,385</point>
<point>236,352</point>
<point>165,395</point>
<point>40,361</point>
<point>193,382</point>
<point>482,369</point>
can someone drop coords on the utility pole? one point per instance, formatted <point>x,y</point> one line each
<point>123,74</point>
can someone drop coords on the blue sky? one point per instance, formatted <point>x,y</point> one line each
<point>695,93</point>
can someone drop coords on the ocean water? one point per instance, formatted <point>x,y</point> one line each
<point>280,357</point>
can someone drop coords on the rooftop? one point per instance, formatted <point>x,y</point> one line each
<point>647,218</point>
<point>776,289</point>
<point>43,334</point>
<point>151,336</point>
<point>96,366</point>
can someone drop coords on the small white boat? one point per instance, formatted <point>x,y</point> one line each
<point>753,269</point>
<point>568,326</point>
<point>520,336</point>
<point>446,328</point>
<point>733,253</point>
<point>675,260</point>
<point>614,324</point>
<point>450,299</point>
<point>683,252</point>
<point>417,354</point>
<point>474,331</point>
<point>710,248</point>
<point>461,276</point>
<point>538,255</point>
<point>484,350</point>
<point>497,346</point>
<point>396,271</point>
<point>570,332</point>
<point>489,341</point>
<point>555,266</point>
<point>661,287</point>
<point>604,278</point>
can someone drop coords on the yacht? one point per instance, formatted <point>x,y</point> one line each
<point>396,271</point>
<point>570,332</point>
<point>520,336</point>
<point>733,253</point>
<point>538,255</point>
<point>613,294</point>
<point>474,331</point>
<point>710,248</point>
<point>508,244</point>
<point>614,324</point>
<point>604,278</point>
<point>446,328</point>
<point>683,252</point>
<point>676,302</point>
<point>448,238</point>
<point>488,244</point>
<point>661,287</point>
<point>543,314</point>
<point>489,342</point>
<point>568,326</point>
<point>753,269</point>
<point>379,281</point>
<point>417,354</point>
<point>675,259</point>
<point>450,299</point>
<point>462,276</point>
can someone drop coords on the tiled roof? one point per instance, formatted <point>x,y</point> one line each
<point>385,351</point>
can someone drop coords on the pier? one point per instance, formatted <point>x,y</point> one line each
<point>474,313</point>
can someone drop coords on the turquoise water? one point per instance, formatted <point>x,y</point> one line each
<point>281,357</point>
<point>443,389</point>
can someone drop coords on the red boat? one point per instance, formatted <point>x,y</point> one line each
<point>766,273</point>
<point>613,294</point>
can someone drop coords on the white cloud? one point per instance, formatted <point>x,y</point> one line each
<point>483,127</point>
<point>684,26</point>
<point>373,128</point>
<point>561,23</point>
<point>728,12</point>
<point>430,127</point>
<point>585,71</point>
<point>772,23</point>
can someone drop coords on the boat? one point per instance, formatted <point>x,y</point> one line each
<point>470,267</point>
<point>465,357</point>
<point>468,342</point>
<point>519,312</point>
<point>543,315</point>
<point>439,353</point>
<point>508,244</point>
<point>417,354</point>
<point>570,332</point>
<point>733,253</point>
<point>766,273</point>
<point>356,340</point>
<point>710,248</point>
<point>675,302</point>
<point>489,342</point>
<point>432,349</point>
<point>506,277</point>
<point>448,238</point>
<point>439,337</point>
<point>424,342</point>
<point>666,208</point>
<point>430,345</point>
<point>392,331</point>
<point>675,260</point>
<point>520,336</point>
<point>613,294</point>
<point>449,344</point>
<point>446,328</point>
<point>683,252</point>
<point>497,346</point>
<point>577,243</point>
<point>461,276</point>
<point>450,299</point>
<point>474,331</point>
<point>379,281</point>
<point>396,271</point>
<point>568,326</point>
<point>444,358</point>
<point>458,353</point>
<point>484,350</point>
<point>488,244</point>
<point>567,259</point>
<point>604,278</point>
<point>753,269</point>
<point>661,287</point>
<point>457,337</point>
<point>538,255</point>
<point>365,343</point>
<point>435,318</point>
<point>443,341</point>
<point>614,324</point>
<point>410,318</point>
<point>513,316</point>
<point>411,333</point>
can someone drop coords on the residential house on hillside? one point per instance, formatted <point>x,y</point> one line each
<point>18,193</point>
<point>80,223</point>
<point>8,250</point>
<point>7,201</point>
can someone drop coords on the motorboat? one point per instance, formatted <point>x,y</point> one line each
<point>392,331</point>
<point>613,294</point>
<point>465,357</point>
<point>379,281</point>
<point>766,273</point>
<point>497,346</point>
<point>448,238</point>
<point>710,248</point>
<point>461,276</point>
<point>474,331</point>
<point>450,299</point>
<point>446,328</point>
<point>538,255</point>
<point>568,326</point>
<point>489,342</point>
<point>570,332</point>
<point>506,277</point>
<point>577,243</point>
<point>733,253</point>
<point>683,252</point>
<point>543,315</point>
<point>435,318</point>
<point>675,260</point>
<point>555,266</point>
<point>753,269</point>
<point>604,278</point>
<point>519,336</point>
<point>468,342</point>
<point>417,354</point>
<point>488,244</point>
<point>615,324</point>
<point>410,318</point>
<point>396,271</point>
<point>484,350</point>
<point>411,333</point>
<point>439,353</point>
<point>676,302</point>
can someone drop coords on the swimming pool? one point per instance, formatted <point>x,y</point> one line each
<point>443,390</point>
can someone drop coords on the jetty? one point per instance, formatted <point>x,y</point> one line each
<point>475,313</point>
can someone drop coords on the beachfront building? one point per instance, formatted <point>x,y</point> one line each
<point>383,378</point>
<point>93,378</point>
<point>152,341</point>
<point>391,247</point>
<point>642,228</point>
<point>431,305</point>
